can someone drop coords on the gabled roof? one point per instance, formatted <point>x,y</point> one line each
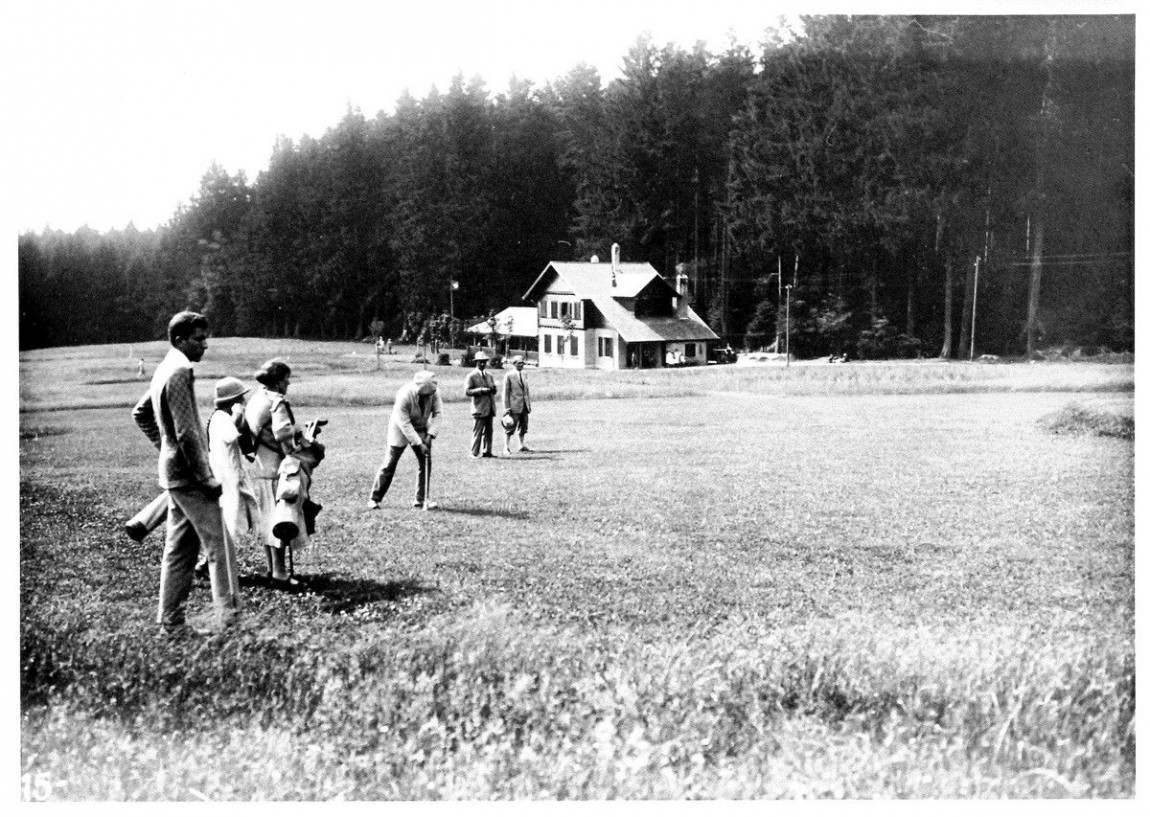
<point>593,281</point>
<point>588,280</point>
<point>636,330</point>
<point>517,321</point>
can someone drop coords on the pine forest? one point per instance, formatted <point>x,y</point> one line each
<point>914,186</point>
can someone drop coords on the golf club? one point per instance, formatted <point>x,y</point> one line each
<point>427,503</point>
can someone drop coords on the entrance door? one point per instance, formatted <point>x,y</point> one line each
<point>649,356</point>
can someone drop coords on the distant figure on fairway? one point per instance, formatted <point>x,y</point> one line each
<point>272,424</point>
<point>227,432</point>
<point>414,421</point>
<point>140,370</point>
<point>168,415</point>
<point>480,387</point>
<point>516,405</point>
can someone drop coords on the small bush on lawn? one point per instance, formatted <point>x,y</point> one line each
<point>1077,419</point>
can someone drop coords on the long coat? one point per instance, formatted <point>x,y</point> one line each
<point>238,500</point>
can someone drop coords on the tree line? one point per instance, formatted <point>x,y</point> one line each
<point>887,185</point>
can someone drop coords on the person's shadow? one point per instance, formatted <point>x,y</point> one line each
<point>506,514</point>
<point>544,453</point>
<point>345,595</point>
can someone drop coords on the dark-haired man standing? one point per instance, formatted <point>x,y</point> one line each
<point>168,415</point>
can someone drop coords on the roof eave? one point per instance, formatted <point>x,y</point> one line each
<point>549,268</point>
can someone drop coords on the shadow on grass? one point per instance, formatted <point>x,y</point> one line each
<point>534,451</point>
<point>346,595</point>
<point>505,514</point>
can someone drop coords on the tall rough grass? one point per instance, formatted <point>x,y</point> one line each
<point>481,706</point>
<point>1077,419</point>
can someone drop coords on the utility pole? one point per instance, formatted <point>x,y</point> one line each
<point>695,271</point>
<point>778,329</point>
<point>451,299</point>
<point>789,322</point>
<point>974,306</point>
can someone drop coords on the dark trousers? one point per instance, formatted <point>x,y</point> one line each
<point>481,436</point>
<point>520,424</point>
<point>387,471</point>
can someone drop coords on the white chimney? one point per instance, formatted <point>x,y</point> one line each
<point>683,301</point>
<point>614,263</point>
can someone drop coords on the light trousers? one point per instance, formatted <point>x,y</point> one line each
<point>194,521</point>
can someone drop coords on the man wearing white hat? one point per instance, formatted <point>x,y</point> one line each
<point>413,422</point>
<point>481,389</point>
<point>516,405</point>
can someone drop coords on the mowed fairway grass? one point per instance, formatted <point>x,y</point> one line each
<point>870,580</point>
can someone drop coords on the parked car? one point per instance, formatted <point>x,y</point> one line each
<point>721,354</point>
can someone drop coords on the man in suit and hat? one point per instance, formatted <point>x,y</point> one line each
<point>413,422</point>
<point>481,389</point>
<point>168,415</point>
<point>516,405</point>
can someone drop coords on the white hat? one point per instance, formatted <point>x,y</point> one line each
<point>228,389</point>
<point>426,381</point>
<point>517,359</point>
<point>482,355</point>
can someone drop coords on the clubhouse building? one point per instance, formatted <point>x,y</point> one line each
<point>615,316</point>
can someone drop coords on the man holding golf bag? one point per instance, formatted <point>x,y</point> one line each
<point>414,422</point>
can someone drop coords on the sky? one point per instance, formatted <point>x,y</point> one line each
<point>119,108</point>
<point>115,109</point>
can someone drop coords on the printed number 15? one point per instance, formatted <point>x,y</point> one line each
<point>36,787</point>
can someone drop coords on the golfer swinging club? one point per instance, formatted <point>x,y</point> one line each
<point>414,422</point>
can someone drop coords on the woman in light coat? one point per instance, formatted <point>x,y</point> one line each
<point>270,419</point>
<point>227,428</point>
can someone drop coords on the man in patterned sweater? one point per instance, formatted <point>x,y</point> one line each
<point>168,415</point>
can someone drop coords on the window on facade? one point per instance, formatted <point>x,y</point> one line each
<point>546,344</point>
<point>564,309</point>
<point>608,347</point>
<point>543,309</point>
<point>578,310</point>
<point>574,345</point>
<point>559,342</point>
<point>554,309</point>
<point>688,350</point>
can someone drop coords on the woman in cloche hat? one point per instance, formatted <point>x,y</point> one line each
<point>227,431</point>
